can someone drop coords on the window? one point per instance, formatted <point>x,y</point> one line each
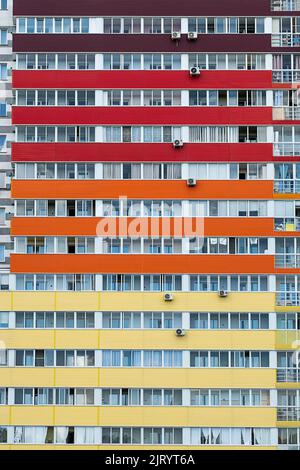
<point>3,71</point>
<point>3,112</point>
<point>3,37</point>
<point>2,143</point>
<point>2,253</point>
<point>4,319</point>
<point>3,4</point>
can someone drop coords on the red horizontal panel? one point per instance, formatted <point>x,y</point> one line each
<point>141,8</point>
<point>167,79</point>
<point>138,115</point>
<point>98,152</point>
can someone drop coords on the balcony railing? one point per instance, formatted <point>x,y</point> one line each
<point>290,224</point>
<point>285,5</point>
<point>286,40</point>
<point>287,186</point>
<point>288,413</point>
<point>286,149</point>
<point>287,261</point>
<point>288,374</point>
<point>286,113</point>
<point>286,76</point>
<point>287,299</point>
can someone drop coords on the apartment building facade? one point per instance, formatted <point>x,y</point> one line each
<point>152,299</point>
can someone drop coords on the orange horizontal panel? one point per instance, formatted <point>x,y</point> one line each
<point>108,227</point>
<point>89,226</point>
<point>239,226</point>
<point>142,264</point>
<point>132,189</point>
<point>283,196</point>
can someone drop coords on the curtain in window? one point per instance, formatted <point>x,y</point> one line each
<point>40,434</point>
<point>61,434</point>
<point>19,435</point>
<point>204,433</point>
<point>215,436</point>
<point>84,435</point>
<point>135,171</point>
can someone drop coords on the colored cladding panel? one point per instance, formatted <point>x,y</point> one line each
<point>163,189</point>
<point>151,264</point>
<point>141,8</point>
<point>142,43</point>
<point>66,226</point>
<point>154,378</point>
<point>137,301</point>
<point>139,79</point>
<point>136,339</point>
<point>183,115</point>
<point>123,416</point>
<point>143,152</point>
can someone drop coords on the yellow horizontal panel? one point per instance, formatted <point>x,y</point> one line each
<point>186,301</point>
<point>6,301</point>
<point>31,415</point>
<point>77,377</point>
<point>137,416</point>
<point>187,416</point>
<point>188,378</point>
<point>36,339</point>
<point>77,339</point>
<point>141,339</point>
<point>49,301</point>
<point>4,415</point>
<point>294,308</point>
<point>54,416</point>
<point>33,301</point>
<point>288,385</point>
<point>288,424</point>
<point>68,301</point>
<point>50,339</point>
<point>286,339</point>
<point>137,339</point>
<point>27,377</point>
<point>117,377</point>
<point>131,448</point>
<point>90,301</point>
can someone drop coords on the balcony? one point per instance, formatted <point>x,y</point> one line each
<point>287,261</point>
<point>290,374</point>
<point>287,299</point>
<point>285,5</point>
<point>288,413</point>
<point>288,113</point>
<point>291,224</point>
<point>286,40</point>
<point>286,76</point>
<point>286,149</point>
<point>287,186</point>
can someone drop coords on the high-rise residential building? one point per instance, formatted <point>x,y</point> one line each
<point>152,300</point>
<point>6,137</point>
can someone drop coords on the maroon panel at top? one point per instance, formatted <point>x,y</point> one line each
<point>142,7</point>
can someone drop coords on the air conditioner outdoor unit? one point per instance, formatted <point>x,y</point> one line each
<point>195,71</point>
<point>180,332</point>
<point>178,143</point>
<point>175,35</point>
<point>191,182</point>
<point>168,297</point>
<point>223,293</point>
<point>192,36</point>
